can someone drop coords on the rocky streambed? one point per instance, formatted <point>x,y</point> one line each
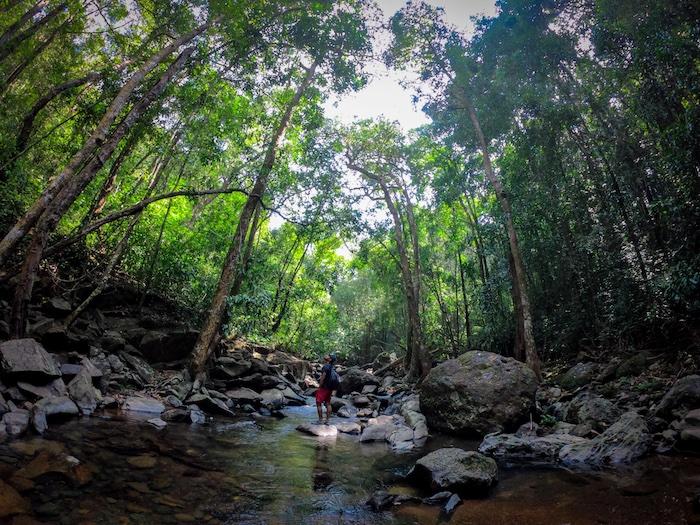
<point>118,468</point>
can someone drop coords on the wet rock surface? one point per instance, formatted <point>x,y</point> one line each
<point>624,442</point>
<point>467,473</point>
<point>478,393</point>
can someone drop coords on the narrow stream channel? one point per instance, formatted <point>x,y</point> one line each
<point>266,472</point>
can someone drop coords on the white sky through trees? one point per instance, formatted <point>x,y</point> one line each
<point>384,95</point>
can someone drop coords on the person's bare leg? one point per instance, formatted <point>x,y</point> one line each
<point>320,412</point>
<point>329,410</point>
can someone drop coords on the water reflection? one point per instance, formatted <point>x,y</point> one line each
<point>265,472</point>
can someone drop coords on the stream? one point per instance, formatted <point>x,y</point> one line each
<point>263,471</point>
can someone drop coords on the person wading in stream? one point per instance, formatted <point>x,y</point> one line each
<point>328,383</point>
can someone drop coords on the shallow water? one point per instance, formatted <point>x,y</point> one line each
<point>266,472</point>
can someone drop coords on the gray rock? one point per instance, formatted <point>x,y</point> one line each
<point>115,363</point>
<point>683,396</point>
<point>451,504</point>
<point>438,498</point>
<point>478,393</point>
<point>57,306</point>
<point>420,431</point>
<point>53,389</point>
<point>83,393</point>
<point>210,404</point>
<point>360,401</point>
<point>157,422</point>
<point>318,430</point>
<point>27,359</point>
<point>346,412</point>
<point>16,422</point>
<point>369,389</point>
<point>244,395</point>
<point>378,429</point>
<point>288,364</point>
<point>578,375</point>
<point>632,366</point>
<point>292,398</point>
<point>380,500</point>
<point>527,448</point>
<point>625,441</point>
<point>173,401</point>
<point>349,428</point>
<point>45,409</point>
<point>463,472</point>
<point>591,409</point>
<point>273,398</point>
<point>401,438</point>
<point>354,380</point>
<point>112,341</point>
<point>171,415</point>
<point>4,406</point>
<point>146,405</point>
<point>167,346</point>
<point>197,417</point>
<point>138,365</point>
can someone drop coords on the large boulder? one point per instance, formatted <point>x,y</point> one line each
<point>46,409</point>
<point>27,359</point>
<point>289,364</point>
<point>625,441</point>
<point>167,346</point>
<point>467,473</point>
<point>83,393</point>
<point>527,448</point>
<point>16,422</point>
<point>318,430</point>
<point>593,410</point>
<point>478,393</point>
<point>578,375</point>
<point>682,397</point>
<point>354,379</point>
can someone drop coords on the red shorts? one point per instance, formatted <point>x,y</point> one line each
<point>323,395</point>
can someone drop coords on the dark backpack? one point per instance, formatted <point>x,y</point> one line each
<point>332,382</point>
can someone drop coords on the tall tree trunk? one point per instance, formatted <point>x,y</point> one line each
<point>99,203</point>
<point>158,170</point>
<point>420,360</point>
<point>156,250</point>
<point>247,253</point>
<point>70,192</point>
<point>520,279</point>
<point>11,31</point>
<point>28,120</point>
<point>478,240</point>
<point>210,329</point>
<point>38,50</point>
<point>7,5</point>
<point>467,321</point>
<point>7,48</point>
<point>287,291</point>
<point>96,139</point>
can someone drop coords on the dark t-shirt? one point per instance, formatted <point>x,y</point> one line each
<point>326,370</point>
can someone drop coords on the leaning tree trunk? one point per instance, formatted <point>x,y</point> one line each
<point>156,250</point>
<point>11,32</point>
<point>156,174</point>
<point>210,329</point>
<point>70,192</point>
<point>98,137</point>
<point>11,44</point>
<point>247,253</point>
<point>519,279</point>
